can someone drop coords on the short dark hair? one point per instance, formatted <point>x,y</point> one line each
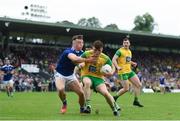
<point>98,44</point>
<point>77,37</point>
<point>125,39</point>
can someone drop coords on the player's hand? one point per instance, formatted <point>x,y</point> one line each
<point>107,85</point>
<point>134,64</point>
<point>108,74</point>
<point>78,76</point>
<point>91,59</point>
<point>119,68</point>
<point>81,65</point>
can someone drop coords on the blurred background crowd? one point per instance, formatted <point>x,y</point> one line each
<point>151,67</point>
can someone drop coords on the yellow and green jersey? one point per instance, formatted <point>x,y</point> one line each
<point>124,60</point>
<point>94,69</point>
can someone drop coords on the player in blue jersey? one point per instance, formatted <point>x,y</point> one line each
<point>7,71</point>
<point>162,83</point>
<point>64,72</point>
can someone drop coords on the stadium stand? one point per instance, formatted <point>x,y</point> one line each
<point>28,42</point>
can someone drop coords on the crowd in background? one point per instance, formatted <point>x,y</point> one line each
<point>151,66</point>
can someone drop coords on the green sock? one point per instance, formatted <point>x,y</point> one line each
<point>135,98</point>
<point>87,102</point>
<point>116,97</point>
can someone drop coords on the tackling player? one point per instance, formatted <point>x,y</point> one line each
<point>64,75</point>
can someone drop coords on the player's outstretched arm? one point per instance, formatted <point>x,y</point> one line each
<point>78,59</point>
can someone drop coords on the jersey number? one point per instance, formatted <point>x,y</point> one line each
<point>128,59</point>
<point>92,68</point>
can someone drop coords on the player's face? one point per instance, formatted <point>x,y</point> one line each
<point>97,52</point>
<point>126,44</point>
<point>7,62</point>
<point>79,43</point>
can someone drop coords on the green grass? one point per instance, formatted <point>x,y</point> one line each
<point>46,106</point>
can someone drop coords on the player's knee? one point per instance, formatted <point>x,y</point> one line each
<point>107,94</point>
<point>126,89</point>
<point>87,84</point>
<point>139,85</point>
<point>60,89</point>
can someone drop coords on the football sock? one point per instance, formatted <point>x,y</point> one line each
<point>136,99</point>
<point>87,102</point>
<point>65,102</point>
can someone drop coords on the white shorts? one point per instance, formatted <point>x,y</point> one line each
<point>161,85</point>
<point>67,79</point>
<point>8,83</point>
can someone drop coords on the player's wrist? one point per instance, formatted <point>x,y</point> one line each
<point>79,66</point>
<point>119,68</point>
<point>86,60</point>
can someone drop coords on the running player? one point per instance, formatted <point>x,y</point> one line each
<point>93,78</point>
<point>162,82</point>
<point>122,61</point>
<point>7,71</point>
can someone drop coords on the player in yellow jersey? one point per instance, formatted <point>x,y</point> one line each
<point>93,78</point>
<point>122,61</point>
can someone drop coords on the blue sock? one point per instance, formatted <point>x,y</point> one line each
<point>81,109</point>
<point>65,102</point>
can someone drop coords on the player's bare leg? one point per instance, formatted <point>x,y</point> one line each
<point>61,93</point>
<point>125,89</point>
<point>11,85</point>
<point>87,92</point>
<point>109,98</point>
<point>137,89</point>
<point>77,88</point>
<point>7,90</point>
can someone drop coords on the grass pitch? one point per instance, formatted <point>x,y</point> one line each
<point>45,106</point>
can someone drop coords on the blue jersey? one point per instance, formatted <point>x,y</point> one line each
<point>7,69</point>
<point>162,80</point>
<point>65,66</point>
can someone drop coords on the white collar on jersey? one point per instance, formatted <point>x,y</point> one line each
<point>77,51</point>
